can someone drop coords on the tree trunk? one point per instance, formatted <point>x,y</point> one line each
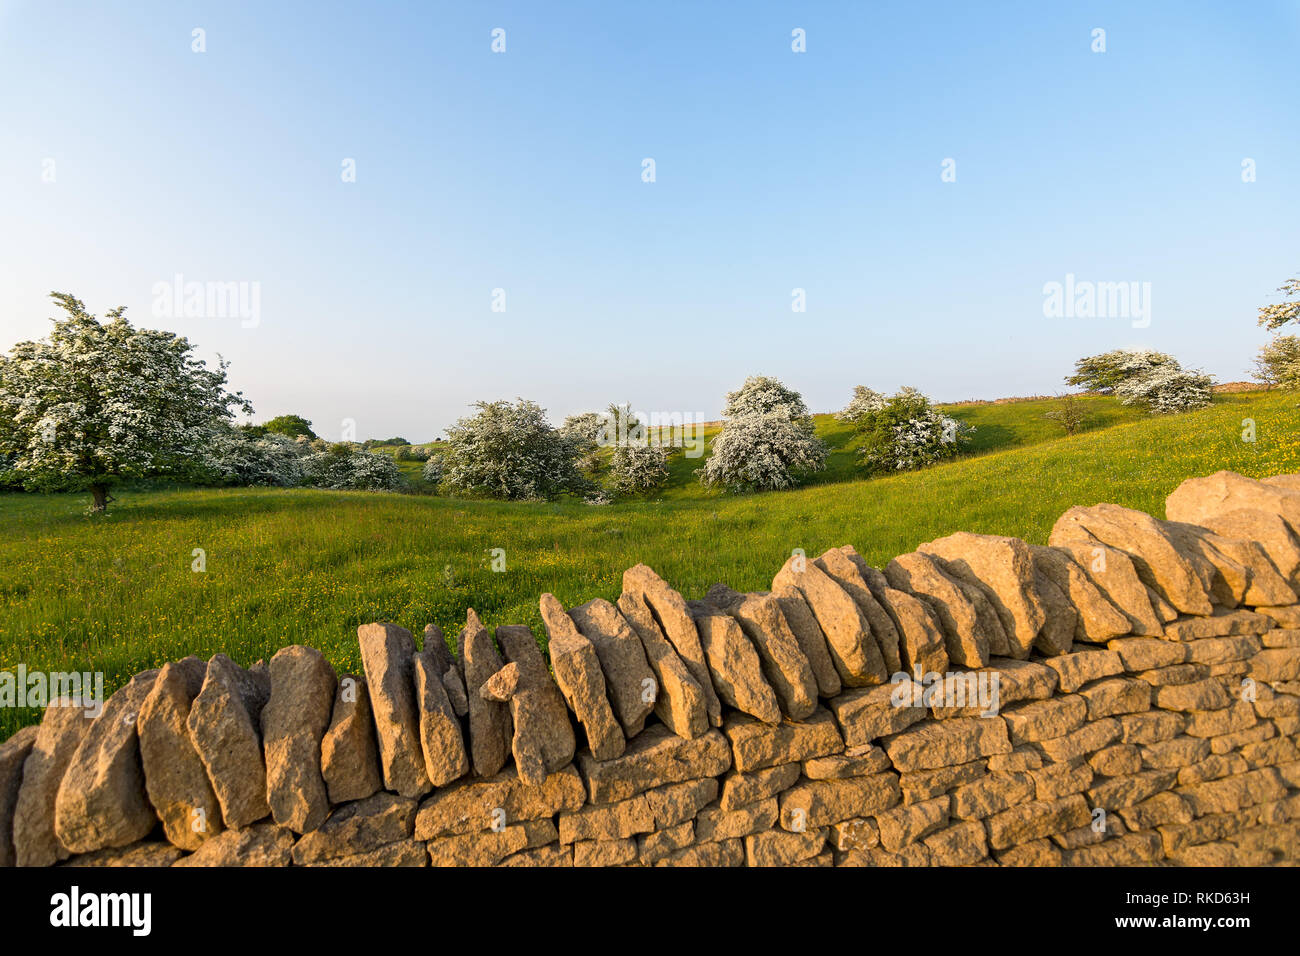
<point>99,498</point>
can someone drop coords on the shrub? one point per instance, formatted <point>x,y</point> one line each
<point>768,441</point>
<point>342,469</point>
<point>510,451</point>
<point>762,394</point>
<point>1069,414</point>
<point>583,433</point>
<point>290,425</point>
<point>236,457</point>
<point>865,401</point>
<point>1104,373</point>
<point>1167,390</point>
<point>432,470</point>
<point>1278,362</point>
<point>907,432</point>
<point>635,469</point>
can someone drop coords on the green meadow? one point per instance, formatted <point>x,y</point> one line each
<point>119,593</point>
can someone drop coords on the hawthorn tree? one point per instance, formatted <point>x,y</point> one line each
<point>1275,316</point>
<point>509,450</point>
<point>98,402</point>
<point>768,441</point>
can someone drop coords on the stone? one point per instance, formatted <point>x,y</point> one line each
<point>734,665</point>
<point>1056,780</point>
<point>605,853</point>
<point>1225,491</point>
<point>992,794</point>
<point>448,669</point>
<point>358,827</point>
<point>581,680</point>
<point>757,745</point>
<point>742,789</point>
<point>661,844</point>
<point>679,701</point>
<point>1036,819</point>
<point>1145,653</point>
<point>652,759</point>
<point>102,801</point>
<point>1222,624</point>
<point>785,666</point>
<point>628,676</point>
<point>776,848</point>
<point>961,844</point>
<point>1120,792</point>
<point>1132,849</point>
<point>551,855</point>
<point>1098,619</point>
<point>13,754</point>
<point>489,847</point>
<point>1113,573</point>
<point>1116,695</point>
<point>294,722</point>
<point>868,713</point>
<point>840,567</point>
<point>922,646</point>
<point>856,762</point>
<point>441,740</point>
<point>475,804</point>
<point>1056,636</point>
<point>1089,738</point>
<point>262,844</point>
<point>175,779</point>
<point>678,626</point>
<point>1159,563</point>
<point>1044,719</point>
<point>63,726</point>
<point>1222,650</point>
<point>944,743</point>
<point>817,803</point>
<point>1263,584</point>
<point>1075,670</point>
<point>715,824</point>
<point>678,802</point>
<point>349,753</point>
<point>1003,569</point>
<point>387,655</point>
<point>489,720</point>
<point>151,853</point>
<point>1208,694</point>
<point>966,643</point>
<point>224,724</point>
<point>1117,760</point>
<point>543,737</point>
<point>403,853</point>
<point>808,633</point>
<point>726,853</point>
<point>903,825</point>
<point>853,650</point>
<point>1278,540</point>
<point>614,821</point>
<point>920,785</point>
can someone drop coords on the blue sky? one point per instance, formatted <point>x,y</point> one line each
<point>774,170</point>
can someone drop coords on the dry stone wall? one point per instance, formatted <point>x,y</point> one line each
<point>1127,695</point>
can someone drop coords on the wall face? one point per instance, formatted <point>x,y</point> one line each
<point>1129,694</point>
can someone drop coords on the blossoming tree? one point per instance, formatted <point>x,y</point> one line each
<point>98,402</point>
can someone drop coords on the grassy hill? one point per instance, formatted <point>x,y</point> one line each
<point>117,594</point>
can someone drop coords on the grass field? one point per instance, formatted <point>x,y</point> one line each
<point>117,593</point>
